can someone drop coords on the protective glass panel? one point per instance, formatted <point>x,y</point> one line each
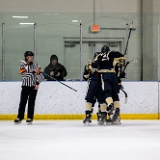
<point>19,37</point>
<point>59,34</point>
<point>113,32</point>
<point>1,21</point>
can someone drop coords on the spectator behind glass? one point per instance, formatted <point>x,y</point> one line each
<point>55,69</point>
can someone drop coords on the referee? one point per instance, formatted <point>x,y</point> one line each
<point>31,78</point>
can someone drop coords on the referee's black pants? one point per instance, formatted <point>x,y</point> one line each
<point>27,94</point>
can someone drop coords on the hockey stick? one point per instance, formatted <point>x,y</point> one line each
<point>55,79</point>
<point>133,61</point>
<point>126,95</point>
<point>125,52</point>
<point>59,81</point>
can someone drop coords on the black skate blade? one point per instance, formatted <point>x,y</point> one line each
<point>99,123</point>
<point>109,121</point>
<point>87,123</point>
<point>102,123</point>
<point>116,123</point>
<point>29,123</point>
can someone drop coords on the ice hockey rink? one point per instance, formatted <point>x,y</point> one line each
<point>71,140</point>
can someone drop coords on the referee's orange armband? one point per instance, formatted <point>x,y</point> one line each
<point>22,70</point>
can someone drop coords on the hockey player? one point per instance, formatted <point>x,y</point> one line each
<point>94,90</point>
<point>106,61</point>
<point>31,78</point>
<point>120,74</point>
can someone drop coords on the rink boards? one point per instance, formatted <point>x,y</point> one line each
<point>55,101</point>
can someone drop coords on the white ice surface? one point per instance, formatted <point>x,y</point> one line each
<point>70,140</point>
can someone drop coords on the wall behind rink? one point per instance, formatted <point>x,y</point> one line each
<point>55,101</point>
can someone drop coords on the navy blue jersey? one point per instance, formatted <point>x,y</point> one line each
<point>107,60</point>
<point>89,75</point>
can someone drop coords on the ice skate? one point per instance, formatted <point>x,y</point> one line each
<point>103,120</point>
<point>17,121</point>
<point>98,117</point>
<point>29,121</point>
<point>117,121</point>
<point>87,120</point>
<point>116,116</point>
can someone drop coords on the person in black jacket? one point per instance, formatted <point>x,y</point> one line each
<point>55,69</point>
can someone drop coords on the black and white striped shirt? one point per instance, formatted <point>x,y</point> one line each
<point>29,77</point>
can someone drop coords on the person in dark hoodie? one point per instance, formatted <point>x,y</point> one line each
<point>55,69</point>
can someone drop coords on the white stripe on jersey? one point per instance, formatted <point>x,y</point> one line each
<point>29,78</point>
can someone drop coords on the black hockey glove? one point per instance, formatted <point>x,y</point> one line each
<point>122,75</point>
